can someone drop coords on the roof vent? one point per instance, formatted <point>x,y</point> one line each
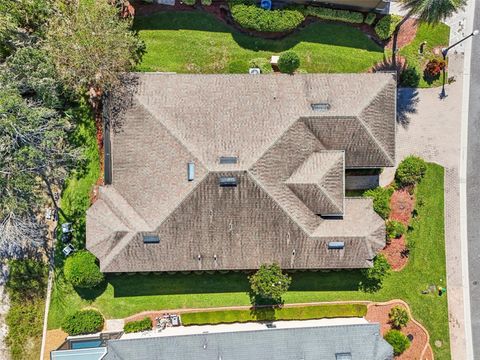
<point>228,181</point>
<point>191,171</point>
<point>336,245</point>
<point>228,159</point>
<point>199,257</point>
<point>320,107</point>
<point>151,239</point>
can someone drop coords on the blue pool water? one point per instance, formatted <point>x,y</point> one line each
<point>84,344</point>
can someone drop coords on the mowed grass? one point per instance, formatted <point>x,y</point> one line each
<point>125,295</point>
<point>196,42</point>
<point>270,314</point>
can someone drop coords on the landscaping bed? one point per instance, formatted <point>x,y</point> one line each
<point>274,314</point>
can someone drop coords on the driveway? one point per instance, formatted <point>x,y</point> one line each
<point>431,128</point>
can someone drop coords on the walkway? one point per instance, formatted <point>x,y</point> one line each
<point>431,128</point>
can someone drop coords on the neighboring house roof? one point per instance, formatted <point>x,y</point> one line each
<point>354,342</point>
<point>292,137</point>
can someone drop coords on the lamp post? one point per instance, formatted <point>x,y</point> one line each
<point>443,95</point>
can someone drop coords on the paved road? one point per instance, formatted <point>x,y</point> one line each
<point>473,188</point>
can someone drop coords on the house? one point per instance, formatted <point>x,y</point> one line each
<point>227,172</point>
<point>358,341</point>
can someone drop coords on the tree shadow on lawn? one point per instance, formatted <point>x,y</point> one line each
<point>170,284</point>
<point>341,35</point>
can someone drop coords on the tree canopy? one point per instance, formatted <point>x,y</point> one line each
<point>268,284</point>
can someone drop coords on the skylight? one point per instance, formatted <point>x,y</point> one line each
<point>228,181</point>
<point>320,107</point>
<point>228,159</point>
<point>336,245</point>
<point>151,239</point>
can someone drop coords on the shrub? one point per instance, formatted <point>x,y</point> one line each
<point>254,18</point>
<point>410,77</point>
<point>288,62</point>
<point>434,67</point>
<point>268,284</point>
<point>206,2</point>
<point>136,326</point>
<point>381,200</point>
<point>386,26</point>
<point>410,171</point>
<point>398,316</point>
<point>261,63</point>
<point>189,2</point>
<point>370,18</point>
<point>395,229</point>
<point>83,322</point>
<point>82,271</point>
<point>333,14</point>
<point>399,342</point>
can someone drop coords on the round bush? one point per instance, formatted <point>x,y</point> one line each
<point>395,229</point>
<point>255,18</point>
<point>206,2</point>
<point>398,317</point>
<point>137,326</point>
<point>410,171</point>
<point>261,63</point>
<point>434,67</point>
<point>399,342</point>
<point>386,26</point>
<point>410,77</point>
<point>82,271</point>
<point>83,322</point>
<point>288,62</point>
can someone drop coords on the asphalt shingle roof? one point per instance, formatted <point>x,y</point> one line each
<point>290,168</point>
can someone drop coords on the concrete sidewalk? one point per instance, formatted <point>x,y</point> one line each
<point>431,128</point>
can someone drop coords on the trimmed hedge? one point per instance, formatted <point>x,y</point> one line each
<point>370,18</point>
<point>254,18</point>
<point>288,62</point>
<point>82,271</point>
<point>83,322</point>
<point>399,341</point>
<point>333,14</point>
<point>270,314</point>
<point>386,26</point>
<point>189,2</point>
<point>381,200</point>
<point>206,2</point>
<point>137,326</point>
<point>410,171</point>
<point>261,63</point>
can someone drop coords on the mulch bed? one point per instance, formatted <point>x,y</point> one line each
<point>401,205</point>
<point>379,313</point>
<point>406,35</point>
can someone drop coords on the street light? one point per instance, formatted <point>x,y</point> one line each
<point>443,95</point>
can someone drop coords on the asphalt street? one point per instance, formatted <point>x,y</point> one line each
<point>473,187</point>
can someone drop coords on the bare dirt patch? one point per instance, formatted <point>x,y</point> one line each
<point>54,339</point>
<point>419,346</point>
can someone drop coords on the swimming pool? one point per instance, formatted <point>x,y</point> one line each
<point>84,344</point>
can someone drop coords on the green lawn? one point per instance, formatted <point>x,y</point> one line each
<point>436,37</point>
<point>196,42</point>
<point>270,314</point>
<point>125,295</point>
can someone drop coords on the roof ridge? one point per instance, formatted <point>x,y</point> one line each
<point>258,183</point>
<point>326,193</point>
<point>171,133</point>
<point>359,117</point>
<point>113,253</point>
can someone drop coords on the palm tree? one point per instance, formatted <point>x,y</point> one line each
<point>429,11</point>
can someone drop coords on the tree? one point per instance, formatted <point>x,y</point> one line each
<point>288,62</point>
<point>429,11</point>
<point>82,271</point>
<point>83,322</point>
<point>373,276</point>
<point>398,316</point>
<point>410,171</point>
<point>90,46</point>
<point>268,284</point>
<point>399,341</point>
